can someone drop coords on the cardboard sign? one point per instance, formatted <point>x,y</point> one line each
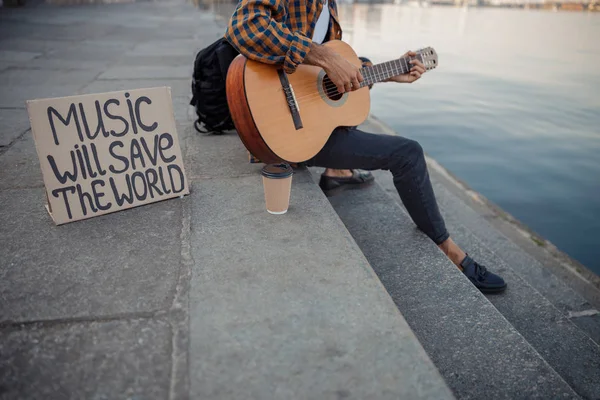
<point>102,153</point>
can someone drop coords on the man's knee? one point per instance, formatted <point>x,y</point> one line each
<point>415,149</point>
<point>409,154</point>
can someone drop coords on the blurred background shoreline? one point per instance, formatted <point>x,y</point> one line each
<point>552,5</point>
<point>549,5</point>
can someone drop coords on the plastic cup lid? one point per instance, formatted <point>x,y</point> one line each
<point>277,171</point>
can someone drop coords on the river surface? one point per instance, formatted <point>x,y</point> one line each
<point>513,109</point>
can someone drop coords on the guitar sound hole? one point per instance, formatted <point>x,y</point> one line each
<point>330,89</point>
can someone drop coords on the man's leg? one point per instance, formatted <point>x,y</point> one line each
<point>350,148</point>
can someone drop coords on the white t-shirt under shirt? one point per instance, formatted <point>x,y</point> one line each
<point>322,25</point>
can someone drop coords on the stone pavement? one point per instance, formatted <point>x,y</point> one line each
<point>203,297</point>
<point>95,309</point>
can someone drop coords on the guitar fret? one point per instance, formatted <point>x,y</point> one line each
<point>394,68</point>
<point>363,72</point>
<point>406,66</point>
<point>366,76</point>
<point>398,67</point>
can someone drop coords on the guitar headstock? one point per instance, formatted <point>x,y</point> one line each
<point>429,57</point>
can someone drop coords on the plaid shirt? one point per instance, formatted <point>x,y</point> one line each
<point>278,31</point>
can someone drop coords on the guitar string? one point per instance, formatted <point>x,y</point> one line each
<point>377,75</point>
<point>386,67</point>
<point>330,88</point>
<point>317,95</point>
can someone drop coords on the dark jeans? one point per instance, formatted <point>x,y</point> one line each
<point>350,148</point>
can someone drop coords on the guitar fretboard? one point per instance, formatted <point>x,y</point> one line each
<point>381,72</point>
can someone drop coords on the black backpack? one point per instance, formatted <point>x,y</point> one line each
<point>209,96</point>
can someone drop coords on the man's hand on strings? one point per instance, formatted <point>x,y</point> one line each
<point>343,74</point>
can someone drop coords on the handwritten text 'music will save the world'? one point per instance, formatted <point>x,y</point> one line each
<point>137,158</point>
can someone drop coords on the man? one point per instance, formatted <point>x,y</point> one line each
<point>289,33</point>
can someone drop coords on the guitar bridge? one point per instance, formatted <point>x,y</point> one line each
<point>290,98</point>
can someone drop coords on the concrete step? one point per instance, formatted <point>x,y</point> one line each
<point>287,306</point>
<point>478,352</point>
<point>568,349</point>
<point>563,297</point>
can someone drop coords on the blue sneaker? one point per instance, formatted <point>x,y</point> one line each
<point>479,276</point>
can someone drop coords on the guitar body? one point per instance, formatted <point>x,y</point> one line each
<point>264,120</point>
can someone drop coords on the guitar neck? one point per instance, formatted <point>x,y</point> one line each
<point>381,72</point>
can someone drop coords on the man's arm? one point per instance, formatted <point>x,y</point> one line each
<point>254,32</point>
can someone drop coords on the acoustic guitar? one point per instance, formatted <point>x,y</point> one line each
<point>289,117</point>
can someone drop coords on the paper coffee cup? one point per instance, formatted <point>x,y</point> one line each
<point>277,183</point>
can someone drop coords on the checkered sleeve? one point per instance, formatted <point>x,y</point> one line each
<point>256,34</point>
<point>365,62</point>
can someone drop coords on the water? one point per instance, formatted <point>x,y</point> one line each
<point>513,109</point>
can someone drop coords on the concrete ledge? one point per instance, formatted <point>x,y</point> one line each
<point>287,306</point>
<point>478,352</point>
